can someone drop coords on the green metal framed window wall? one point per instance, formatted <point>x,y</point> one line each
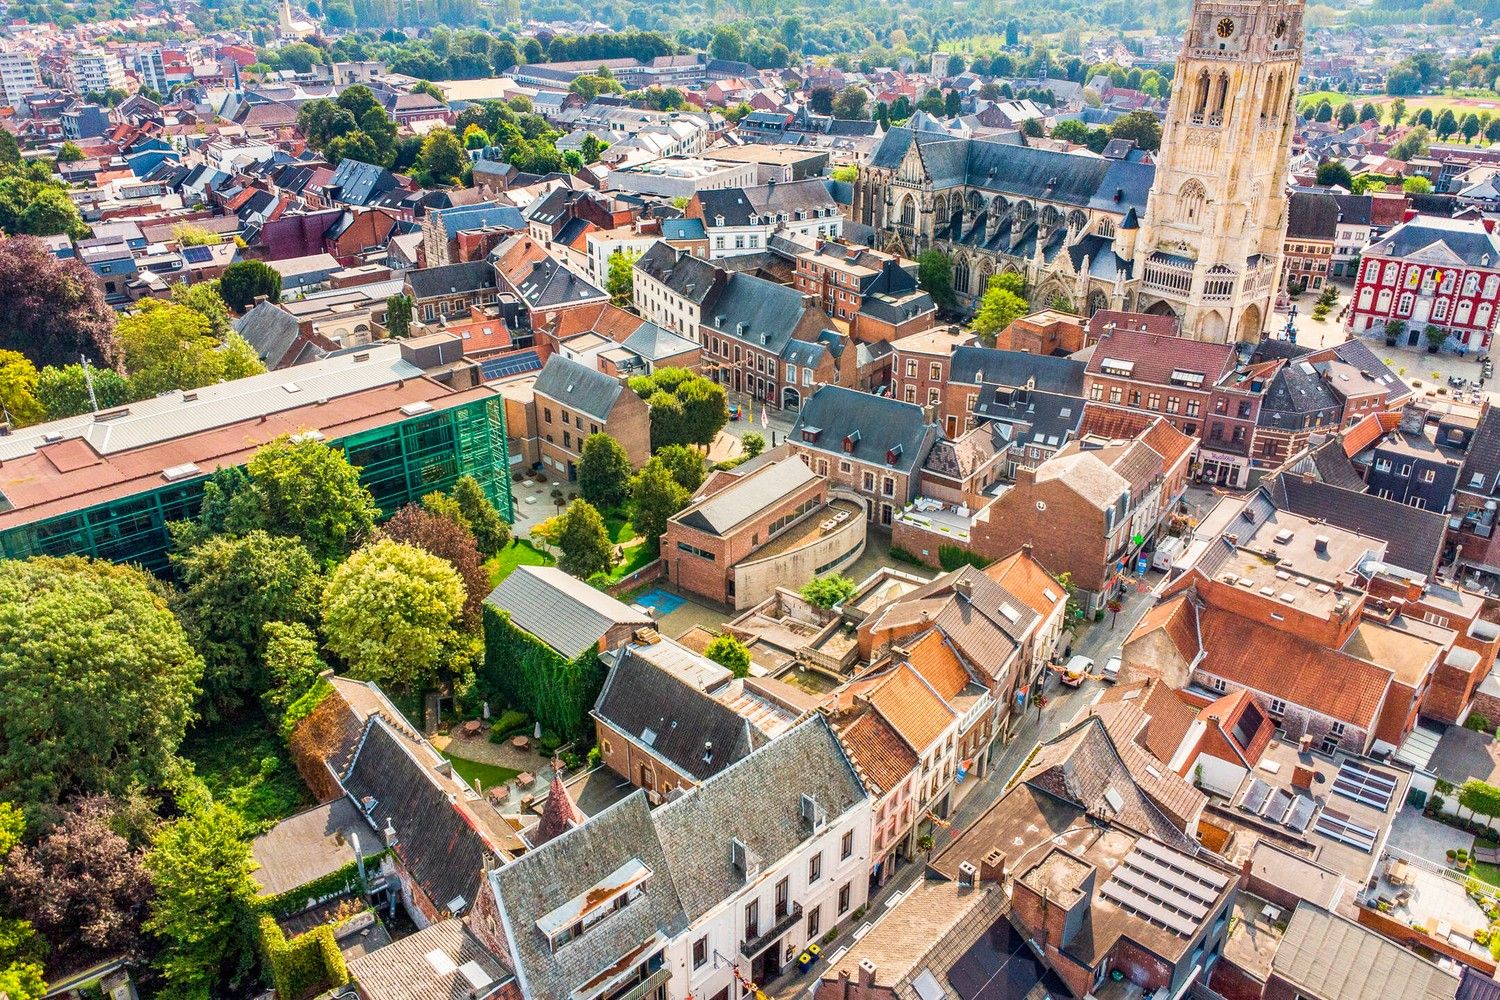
<point>398,464</point>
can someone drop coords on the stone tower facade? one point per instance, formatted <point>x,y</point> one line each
<point>1210,242</point>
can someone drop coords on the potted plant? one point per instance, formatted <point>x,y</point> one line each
<point>1393,329</point>
<point>1435,337</point>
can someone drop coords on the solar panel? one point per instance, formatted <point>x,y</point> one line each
<point>1143,906</point>
<point>197,255</point>
<point>1183,863</point>
<point>1255,796</point>
<point>1302,813</point>
<point>1277,805</point>
<point>510,364</point>
<point>1365,785</point>
<point>1336,826</point>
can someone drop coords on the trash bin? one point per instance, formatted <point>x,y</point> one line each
<point>808,958</point>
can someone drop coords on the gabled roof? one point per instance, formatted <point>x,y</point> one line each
<point>973,365</point>
<point>757,312</point>
<point>270,330</point>
<point>435,963</point>
<point>880,755</point>
<point>1334,958</point>
<point>719,513</point>
<point>357,183</point>
<point>451,279</point>
<point>582,388</point>
<point>560,610</point>
<point>1414,537</point>
<point>1162,360</point>
<point>1440,240</point>
<point>885,431</point>
<point>689,729</point>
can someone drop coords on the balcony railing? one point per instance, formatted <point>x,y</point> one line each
<point>650,985</point>
<point>754,946</point>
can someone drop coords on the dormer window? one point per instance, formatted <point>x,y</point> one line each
<point>893,454</point>
<point>850,440</point>
<point>810,434</point>
<point>600,901</point>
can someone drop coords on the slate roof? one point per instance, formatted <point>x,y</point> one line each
<point>270,330</point>
<point>687,276</point>
<point>360,183</point>
<point>405,970</point>
<point>1483,458</point>
<point>1457,241</point>
<point>721,512</point>
<point>654,343</point>
<point>1298,397</point>
<point>1312,216</point>
<point>565,869</point>
<point>683,229</point>
<point>696,829</point>
<point>755,311</point>
<point>582,388</point>
<point>1414,538</point>
<point>882,423</point>
<point>972,365</point>
<point>449,279</point>
<point>561,610</point>
<point>437,844</point>
<point>692,731</point>
<point>990,165</point>
<point>740,206</point>
<point>1334,958</point>
<point>489,215</point>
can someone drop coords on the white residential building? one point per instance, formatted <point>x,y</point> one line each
<point>94,72</point>
<point>18,76</point>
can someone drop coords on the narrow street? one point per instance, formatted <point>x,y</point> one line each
<point>1064,704</point>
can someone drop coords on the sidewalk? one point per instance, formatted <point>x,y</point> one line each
<point>1063,706</point>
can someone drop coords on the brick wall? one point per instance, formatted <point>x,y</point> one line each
<point>634,764</point>
<point>1067,536</point>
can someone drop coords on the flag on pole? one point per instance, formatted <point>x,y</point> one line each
<point>765,417</point>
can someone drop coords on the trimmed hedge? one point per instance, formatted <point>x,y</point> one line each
<point>510,723</point>
<point>951,557</point>
<point>307,965</point>
<point>340,882</point>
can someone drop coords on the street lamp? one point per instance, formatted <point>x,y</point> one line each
<point>1290,333</point>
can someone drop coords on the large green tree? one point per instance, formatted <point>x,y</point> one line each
<point>307,489</point>
<point>935,276</point>
<point>727,651</point>
<point>19,404</point>
<point>394,614</point>
<point>481,515</point>
<point>97,680</point>
<point>603,472</point>
<point>998,308</point>
<point>204,911</point>
<point>232,588</point>
<point>655,495</point>
<point>584,541</point>
<point>685,463</point>
<point>686,408</point>
<point>443,158</point>
<point>244,281</point>
<point>450,539</point>
<point>52,310</point>
<point>171,346</point>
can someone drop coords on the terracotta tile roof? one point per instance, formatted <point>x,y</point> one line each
<point>1167,441</point>
<point>911,707</point>
<point>602,318</point>
<point>1368,430</point>
<point>1023,576</point>
<point>1178,617</point>
<point>877,750</point>
<point>1113,422</point>
<point>1281,665</point>
<point>1155,357</point>
<point>938,663</point>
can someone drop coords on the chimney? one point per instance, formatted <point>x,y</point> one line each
<point>964,588</point>
<point>1304,745</point>
<point>1302,777</point>
<point>1026,547</point>
<point>1320,545</point>
<point>992,867</point>
<point>866,974</point>
<point>967,875</point>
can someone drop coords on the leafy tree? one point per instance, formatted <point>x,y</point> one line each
<point>52,310</point>
<point>820,100</point>
<point>204,911</point>
<point>727,651</point>
<point>398,310</point>
<point>620,281</point>
<point>1398,111</point>
<point>935,276</point>
<point>448,539</point>
<point>394,614</point>
<point>51,212</point>
<point>1071,130</point>
<point>443,159</point>
<point>1417,184</point>
<point>1369,113</point>
<point>1425,118</point>
<point>1141,126</point>
<point>851,103</point>
<point>308,490</point>
<point>20,948</point>
<point>244,281</point>
<point>19,404</point>
<point>1414,144</point>
<point>69,630</point>
<point>685,464</point>
<point>69,153</point>
<point>592,148</point>
<point>292,665</point>
<point>1446,124</point>
<point>204,299</point>
<point>753,443</point>
<point>1469,127</point>
<point>63,392</point>
<point>10,150</point>
<point>655,495</point>
<point>83,887</point>
<point>998,308</point>
<point>170,346</point>
<point>603,471</point>
<point>827,591</point>
<point>1492,131</point>
<point>1324,111</point>
<point>185,234</point>
<point>686,408</point>
<point>1347,116</point>
<point>359,101</point>
<point>489,528</point>
<point>584,541</point>
<point>726,44</point>
<point>232,588</point>
<point>952,104</point>
<point>1332,173</point>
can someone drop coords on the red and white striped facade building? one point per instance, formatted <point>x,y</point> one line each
<point>1431,271</point>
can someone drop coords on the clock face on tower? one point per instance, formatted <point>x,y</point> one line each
<point>1226,27</point>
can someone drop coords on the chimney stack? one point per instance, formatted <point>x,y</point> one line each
<point>967,875</point>
<point>964,588</point>
<point>866,974</point>
<point>992,867</point>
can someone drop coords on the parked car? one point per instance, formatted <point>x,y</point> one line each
<point>1077,671</point>
<point>1112,669</point>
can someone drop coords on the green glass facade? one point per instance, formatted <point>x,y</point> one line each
<point>398,464</point>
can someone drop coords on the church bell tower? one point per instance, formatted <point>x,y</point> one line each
<point>1209,250</point>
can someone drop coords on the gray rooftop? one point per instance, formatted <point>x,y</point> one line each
<point>560,610</point>
<point>754,493</point>
<point>1336,959</point>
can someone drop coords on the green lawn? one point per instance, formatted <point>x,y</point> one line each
<point>489,775</point>
<point>617,524</point>
<point>636,556</point>
<point>247,769</point>
<point>518,553</point>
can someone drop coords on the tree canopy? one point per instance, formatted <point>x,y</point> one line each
<point>603,472</point>
<point>828,591</point>
<point>584,541</point>
<point>307,489</point>
<point>53,310</point>
<point>244,281</point>
<point>1001,305</point>
<point>727,651</point>
<point>655,496</point>
<point>686,408</point>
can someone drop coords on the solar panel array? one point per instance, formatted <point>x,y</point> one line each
<point>1165,887</point>
<point>1278,805</point>
<point>197,255</point>
<point>1365,785</point>
<point>1301,813</point>
<point>1345,829</point>
<point>1255,796</point>
<point>510,364</point>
